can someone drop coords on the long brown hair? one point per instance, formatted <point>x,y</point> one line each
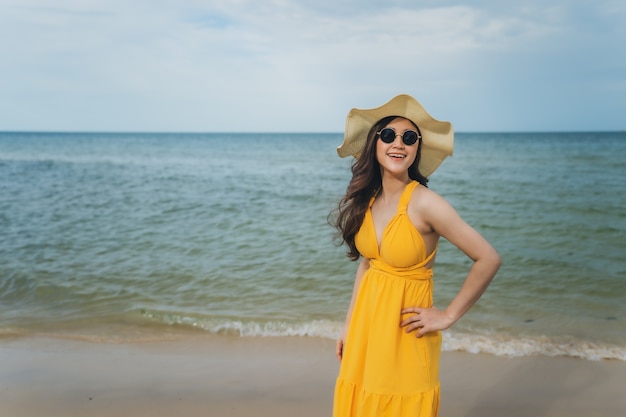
<point>366,183</point>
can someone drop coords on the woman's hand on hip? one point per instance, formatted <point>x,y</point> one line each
<point>424,320</point>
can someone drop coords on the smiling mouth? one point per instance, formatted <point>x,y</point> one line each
<point>396,156</point>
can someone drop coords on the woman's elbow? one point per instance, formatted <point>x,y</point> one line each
<point>495,261</point>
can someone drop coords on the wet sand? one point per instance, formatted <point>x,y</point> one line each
<point>287,376</point>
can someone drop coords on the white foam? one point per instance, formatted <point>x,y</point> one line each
<point>494,344</point>
<point>503,345</point>
<point>316,328</point>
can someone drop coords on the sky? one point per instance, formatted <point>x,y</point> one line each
<point>300,66</point>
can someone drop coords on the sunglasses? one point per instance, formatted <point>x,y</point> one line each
<point>409,137</point>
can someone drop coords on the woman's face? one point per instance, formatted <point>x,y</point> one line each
<point>396,157</point>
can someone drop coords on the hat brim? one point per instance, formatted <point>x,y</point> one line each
<point>437,136</point>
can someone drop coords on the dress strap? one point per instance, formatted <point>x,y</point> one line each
<point>406,196</point>
<point>402,206</point>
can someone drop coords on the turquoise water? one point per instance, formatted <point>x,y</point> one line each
<point>144,236</point>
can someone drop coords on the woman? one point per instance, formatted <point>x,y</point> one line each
<point>389,348</point>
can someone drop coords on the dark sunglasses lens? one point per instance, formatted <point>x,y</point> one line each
<point>409,137</point>
<point>387,135</point>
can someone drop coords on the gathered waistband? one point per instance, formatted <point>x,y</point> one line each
<point>411,272</point>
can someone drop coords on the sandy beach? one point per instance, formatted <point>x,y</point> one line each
<point>287,376</point>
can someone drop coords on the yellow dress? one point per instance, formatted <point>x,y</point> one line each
<point>385,371</point>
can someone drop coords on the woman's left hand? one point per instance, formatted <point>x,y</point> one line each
<point>425,320</point>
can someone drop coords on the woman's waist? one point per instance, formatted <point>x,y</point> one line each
<point>418,271</point>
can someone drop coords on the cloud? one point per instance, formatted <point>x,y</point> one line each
<point>292,65</point>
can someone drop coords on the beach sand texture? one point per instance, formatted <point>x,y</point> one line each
<point>276,376</point>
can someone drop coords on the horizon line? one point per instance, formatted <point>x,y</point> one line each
<point>174,132</point>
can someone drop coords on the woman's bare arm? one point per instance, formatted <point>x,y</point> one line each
<point>363,266</point>
<point>446,222</point>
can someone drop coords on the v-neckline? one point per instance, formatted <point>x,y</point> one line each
<point>379,243</point>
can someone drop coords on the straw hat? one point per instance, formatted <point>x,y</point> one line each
<point>437,136</point>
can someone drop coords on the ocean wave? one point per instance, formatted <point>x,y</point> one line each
<point>315,328</point>
<point>512,346</point>
<point>494,344</point>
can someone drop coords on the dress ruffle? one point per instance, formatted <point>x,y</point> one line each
<point>362,403</point>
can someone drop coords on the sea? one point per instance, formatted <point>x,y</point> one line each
<point>131,237</point>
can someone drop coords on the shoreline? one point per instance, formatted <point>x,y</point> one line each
<point>276,376</point>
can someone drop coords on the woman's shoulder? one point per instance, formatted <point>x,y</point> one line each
<point>423,198</point>
<point>421,192</point>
